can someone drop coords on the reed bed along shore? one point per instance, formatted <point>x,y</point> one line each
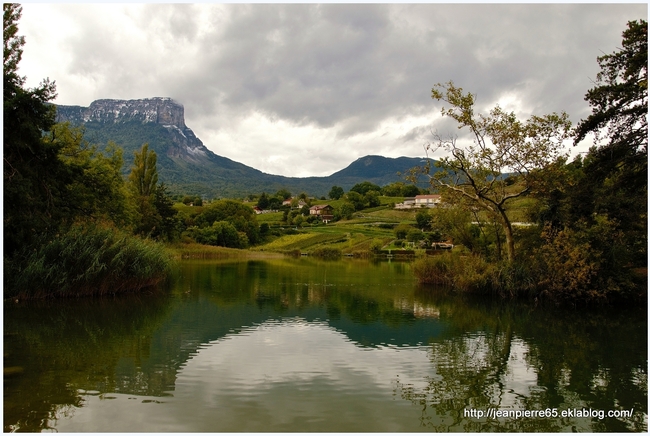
<point>86,260</point>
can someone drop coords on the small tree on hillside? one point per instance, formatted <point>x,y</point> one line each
<point>336,192</point>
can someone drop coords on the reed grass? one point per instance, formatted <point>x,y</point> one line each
<point>471,273</point>
<point>86,261</point>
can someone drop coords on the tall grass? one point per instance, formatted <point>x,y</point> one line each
<point>473,274</point>
<point>86,261</point>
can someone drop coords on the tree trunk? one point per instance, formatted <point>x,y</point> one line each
<point>510,240</point>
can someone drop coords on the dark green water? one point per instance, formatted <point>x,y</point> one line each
<point>304,345</point>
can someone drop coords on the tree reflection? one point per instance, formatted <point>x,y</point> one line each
<point>592,359</point>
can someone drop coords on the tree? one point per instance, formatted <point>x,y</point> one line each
<point>283,194</point>
<point>144,174</point>
<point>613,178</point>
<point>242,217</point>
<point>423,219</point>
<point>33,175</point>
<point>371,198</point>
<point>364,187</point>
<point>345,210</point>
<point>410,191</point>
<point>501,144</point>
<point>620,101</point>
<point>94,186</point>
<point>402,230</point>
<point>169,223</point>
<point>263,201</point>
<point>142,184</point>
<point>356,199</point>
<point>336,192</point>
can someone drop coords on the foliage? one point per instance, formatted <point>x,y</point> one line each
<point>376,245</point>
<point>619,101</point>
<point>327,253</point>
<point>169,224</point>
<point>472,176</point>
<point>423,219</point>
<point>346,210</point>
<point>263,201</point>
<point>414,235</point>
<point>241,216</point>
<point>586,262</point>
<point>364,187</point>
<point>144,174</point>
<point>95,189</point>
<point>336,192</point>
<point>220,233</point>
<point>33,175</point>
<point>83,261</point>
<point>371,199</point>
<point>611,180</point>
<point>355,199</point>
<point>402,230</point>
<point>283,194</point>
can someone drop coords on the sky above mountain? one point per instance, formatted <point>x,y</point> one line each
<point>305,89</point>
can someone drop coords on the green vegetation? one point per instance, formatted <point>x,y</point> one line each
<point>65,201</point>
<point>85,261</point>
<point>589,243</point>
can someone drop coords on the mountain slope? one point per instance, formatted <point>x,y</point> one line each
<point>187,166</point>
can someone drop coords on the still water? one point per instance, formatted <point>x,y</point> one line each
<point>307,345</point>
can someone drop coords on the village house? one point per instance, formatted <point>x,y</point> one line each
<point>323,211</point>
<point>427,200</point>
<point>288,202</point>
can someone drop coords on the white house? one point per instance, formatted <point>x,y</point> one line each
<point>431,200</point>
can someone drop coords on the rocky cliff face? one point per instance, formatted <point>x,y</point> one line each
<point>159,110</point>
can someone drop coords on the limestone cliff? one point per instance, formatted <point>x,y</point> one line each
<point>159,110</point>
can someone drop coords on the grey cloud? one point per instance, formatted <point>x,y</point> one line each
<point>345,67</point>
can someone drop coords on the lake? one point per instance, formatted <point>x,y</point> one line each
<point>306,345</point>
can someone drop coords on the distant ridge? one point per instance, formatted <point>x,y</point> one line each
<point>186,166</point>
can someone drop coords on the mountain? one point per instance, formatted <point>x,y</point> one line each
<point>188,167</point>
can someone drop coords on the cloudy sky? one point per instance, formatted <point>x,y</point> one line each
<point>304,90</point>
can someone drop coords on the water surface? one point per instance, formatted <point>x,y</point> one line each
<point>307,345</point>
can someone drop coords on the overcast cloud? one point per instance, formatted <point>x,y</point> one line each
<point>304,90</point>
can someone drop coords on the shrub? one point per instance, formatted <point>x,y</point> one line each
<point>327,253</point>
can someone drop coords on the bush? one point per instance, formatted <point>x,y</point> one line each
<point>471,273</point>
<point>327,253</point>
<point>86,261</point>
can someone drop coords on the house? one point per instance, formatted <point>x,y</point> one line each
<point>427,200</point>
<point>288,202</point>
<point>323,211</point>
<point>409,203</point>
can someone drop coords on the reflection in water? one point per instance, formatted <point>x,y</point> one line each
<point>305,345</point>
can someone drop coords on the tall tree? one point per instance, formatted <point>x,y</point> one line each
<point>144,174</point>
<point>33,175</point>
<point>619,101</point>
<point>616,169</point>
<point>501,143</point>
<point>142,184</point>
